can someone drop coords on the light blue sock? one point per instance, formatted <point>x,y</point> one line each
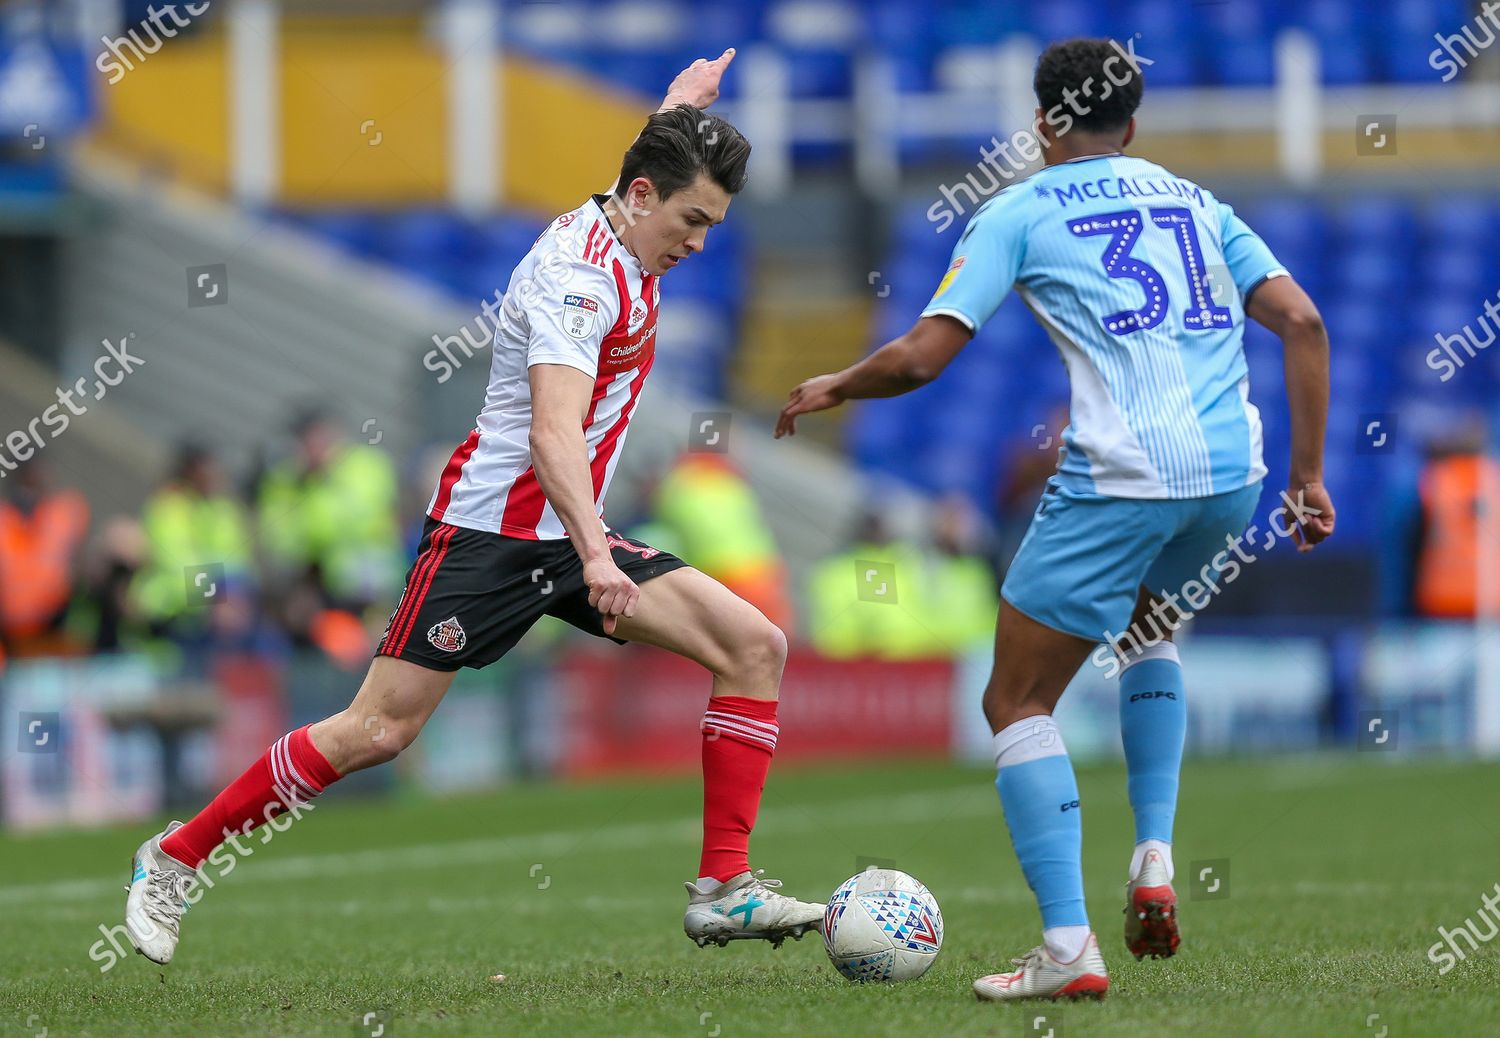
<point>1040,796</point>
<point>1153,725</point>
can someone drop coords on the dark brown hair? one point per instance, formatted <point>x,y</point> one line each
<point>681,143</point>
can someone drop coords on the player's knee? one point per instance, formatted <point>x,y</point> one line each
<point>380,742</point>
<point>757,656</point>
<point>1005,704</point>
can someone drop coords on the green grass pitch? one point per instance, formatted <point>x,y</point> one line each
<point>1341,869</point>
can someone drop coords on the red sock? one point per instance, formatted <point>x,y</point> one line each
<point>292,771</point>
<point>739,737</point>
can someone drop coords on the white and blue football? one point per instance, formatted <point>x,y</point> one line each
<point>882,925</point>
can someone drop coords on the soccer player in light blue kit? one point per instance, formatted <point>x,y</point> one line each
<point>1158,474</point>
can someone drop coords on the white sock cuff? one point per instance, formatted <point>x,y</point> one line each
<point>1138,856</point>
<point>1162,650</point>
<point>1030,738</point>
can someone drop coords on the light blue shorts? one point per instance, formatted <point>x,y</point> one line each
<point>1085,556</point>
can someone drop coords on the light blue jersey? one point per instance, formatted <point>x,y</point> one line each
<point>1126,265</point>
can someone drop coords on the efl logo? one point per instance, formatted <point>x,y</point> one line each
<point>579,315</point>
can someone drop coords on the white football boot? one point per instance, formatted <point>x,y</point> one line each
<point>1043,977</point>
<point>747,908</point>
<point>1151,911</point>
<point>156,899</point>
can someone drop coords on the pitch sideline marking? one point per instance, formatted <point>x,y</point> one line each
<point>909,807</point>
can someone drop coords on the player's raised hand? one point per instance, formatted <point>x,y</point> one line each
<point>610,591</point>
<point>698,84</point>
<point>816,394</point>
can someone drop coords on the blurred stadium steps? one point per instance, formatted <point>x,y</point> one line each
<point>239,323</point>
<point>801,318</point>
<point>101,452</point>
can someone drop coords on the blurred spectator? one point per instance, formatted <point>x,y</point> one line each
<point>867,601</point>
<point>41,530</point>
<point>197,552</point>
<point>1028,465</point>
<point>1458,488</point>
<point>102,616</point>
<point>713,521</point>
<point>960,584</point>
<point>327,521</point>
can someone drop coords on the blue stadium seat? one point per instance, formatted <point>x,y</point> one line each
<point>1374,278</point>
<point>1050,20</point>
<point>352,229</point>
<point>1404,57</point>
<point>1462,218</point>
<point>1163,32</point>
<point>1460,269</point>
<point>1375,221</point>
<point>979,23</point>
<point>718,24</point>
<point>418,239</point>
<point>505,239</point>
<point>900,25</point>
<point>1347,61</point>
<point>1287,223</point>
<point>1229,21</point>
<point>1346,56</point>
<point>1241,61</point>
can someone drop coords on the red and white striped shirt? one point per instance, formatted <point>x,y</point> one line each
<point>578,298</point>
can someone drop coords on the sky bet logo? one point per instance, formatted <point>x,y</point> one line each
<point>1163,694</point>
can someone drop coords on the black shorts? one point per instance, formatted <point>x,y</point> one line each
<point>471,594</point>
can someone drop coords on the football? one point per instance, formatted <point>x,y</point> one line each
<point>882,925</point>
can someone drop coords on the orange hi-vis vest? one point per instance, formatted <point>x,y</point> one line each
<point>36,560</point>
<point>1453,503</point>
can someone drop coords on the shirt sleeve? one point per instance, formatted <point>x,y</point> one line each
<point>986,262</point>
<point>571,310</point>
<point>1249,259</point>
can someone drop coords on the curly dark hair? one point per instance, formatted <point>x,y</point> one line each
<point>682,142</point>
<point>1105,92</point>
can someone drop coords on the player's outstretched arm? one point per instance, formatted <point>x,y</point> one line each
<point>1282,306</point>
<point>901,365</point>
<point>560,398</point>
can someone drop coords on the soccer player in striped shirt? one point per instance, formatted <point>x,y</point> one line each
<point>515,531</point>
<point>1158,473</point>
